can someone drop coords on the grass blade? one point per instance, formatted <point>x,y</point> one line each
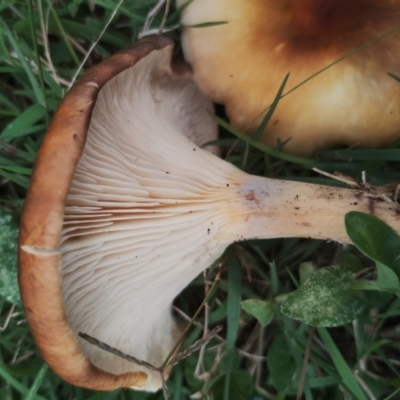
<point>27,119</point>
<point>31,395</point>
<point>234,297</point>
<point>15,384</point>
<point>257,134</point>
<point>37,56</point>
<point>19,180</point>
<point>260,146</point>
<point>63,33</point>
<point>27,68</point>
<point>395,77</point>
<point>341,366</point>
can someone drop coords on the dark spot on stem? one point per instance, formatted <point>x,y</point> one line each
<point>358,195</point>
<point>371,205</point>
<point>251,197</point>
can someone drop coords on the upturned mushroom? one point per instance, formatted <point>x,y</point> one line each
<point>242,63</point>
<point>123,211</point>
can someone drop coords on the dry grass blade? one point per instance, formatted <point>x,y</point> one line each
<point>94,44</point>
<point>165,389</point>
<point>195,347</point>
<point>118,353</point>
<point>152,14</point>
<point>127,357</point>
<point>388,193</point>
<point>165,16</point>
<point>339,177</point>
<point>305,363</point>
<point>8,318</point>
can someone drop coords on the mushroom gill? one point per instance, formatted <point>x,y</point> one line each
<point>141,216</point>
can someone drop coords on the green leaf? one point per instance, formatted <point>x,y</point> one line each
<point>325,299</point>
<point>73,7</point>
<point>386,278</point>
<point>377,299</point>
<point>374,238</point>
<point>306,269</point>
<point>350,261</point>
<point>262,310</point>
<point>281,364</point>
<point>240,386</point>
<point>8,258</point>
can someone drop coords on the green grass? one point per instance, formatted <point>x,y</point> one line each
<point>43,46</point>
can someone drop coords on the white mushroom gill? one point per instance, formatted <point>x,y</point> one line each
<point>142,214</point>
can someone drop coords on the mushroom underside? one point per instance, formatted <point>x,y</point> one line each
<point>142,215</point>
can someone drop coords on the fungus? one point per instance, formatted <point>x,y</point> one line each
<point>122,214</point>
<point>241,64</point>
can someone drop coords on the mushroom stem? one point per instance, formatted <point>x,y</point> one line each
<point>269,208</point>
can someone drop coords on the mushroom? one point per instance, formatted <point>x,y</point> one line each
<point>242,64</point>
<point>123,211</point>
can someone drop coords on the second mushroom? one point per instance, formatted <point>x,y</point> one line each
<point>242,62</point>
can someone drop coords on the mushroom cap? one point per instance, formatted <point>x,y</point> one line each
<point>241,64</point>
<point>98,209</point>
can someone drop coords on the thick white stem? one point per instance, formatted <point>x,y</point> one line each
<point>269,208</point>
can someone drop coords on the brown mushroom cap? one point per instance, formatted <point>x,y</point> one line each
<point>242,64</point>
<point>46,222</point>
